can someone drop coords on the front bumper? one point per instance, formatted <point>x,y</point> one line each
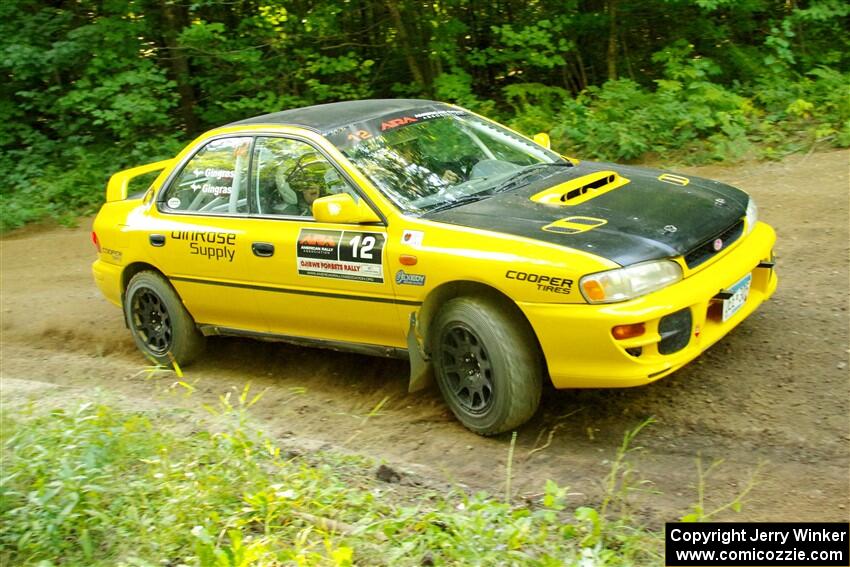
<point>581,352</point>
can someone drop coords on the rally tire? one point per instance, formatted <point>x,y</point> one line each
<point>487,364</point>
<point>161,327</point>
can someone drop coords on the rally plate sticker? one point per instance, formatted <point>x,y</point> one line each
<point>341,254</point>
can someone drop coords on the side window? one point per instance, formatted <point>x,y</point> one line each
<point>289,175</point>
<point>214,181</point>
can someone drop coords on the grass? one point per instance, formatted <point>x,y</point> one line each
<point>96,485</point>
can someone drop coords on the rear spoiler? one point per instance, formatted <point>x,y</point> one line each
<point>116,189</point>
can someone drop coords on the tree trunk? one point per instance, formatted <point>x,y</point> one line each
<point>179,65</point>
<point>582,76</point>
<point>612,40</point>
<point>406,47</point>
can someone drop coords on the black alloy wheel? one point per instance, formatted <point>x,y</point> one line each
<point>487,363</point>
<point>161,327</point>
<point>152,321</point>
<point>467,368</point>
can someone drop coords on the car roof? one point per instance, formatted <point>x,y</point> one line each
<point>325,118</point>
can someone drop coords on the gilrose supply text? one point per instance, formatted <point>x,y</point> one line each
<point>222,243</point>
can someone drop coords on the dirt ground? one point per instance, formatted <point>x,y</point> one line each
<point>771,396</point>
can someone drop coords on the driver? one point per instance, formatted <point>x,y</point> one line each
<point>302,206</point>
<point>304,183</point>
<point>410,154</point>
<point>308,195</point>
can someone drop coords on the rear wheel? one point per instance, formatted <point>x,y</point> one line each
<point>487,364</point>
<point>161,326</point>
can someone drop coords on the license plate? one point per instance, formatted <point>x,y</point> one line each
<point>740,291</point>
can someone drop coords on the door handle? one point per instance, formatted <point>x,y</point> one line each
<point>157,239</point>
<point>262,249</point>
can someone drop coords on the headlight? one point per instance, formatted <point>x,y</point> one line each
<point>752,215</point>
<point>627,283</point>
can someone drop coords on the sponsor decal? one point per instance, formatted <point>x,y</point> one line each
<point>211,245</point>
<point>403,278</point>
<point>720,202</point>
<point>670,228</point>
<point>353,134</point>
<point>717,245</point>
<point>214,173</point>
<point>114,254</point>
<point>346,254</point>
<point>396,122</point>
<point>574,225</point>
<point>174,203</point>
<point>438,114</point>
<point>211,189</point>
<point>359,135</point>
<point>552,284</point>
<point>412,238</point>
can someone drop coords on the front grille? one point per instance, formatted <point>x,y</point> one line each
<point>675,331</point>
<point>706,250</point>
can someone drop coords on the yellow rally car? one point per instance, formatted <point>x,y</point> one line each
<point>416,229</point>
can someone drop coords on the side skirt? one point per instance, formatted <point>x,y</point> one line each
<point>341,346</point>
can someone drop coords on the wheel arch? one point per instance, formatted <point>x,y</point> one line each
<point>127,274</point>
<point>518,371</point>
<point>464,288</point>
<point>133,269</point>
<point>187,341</point>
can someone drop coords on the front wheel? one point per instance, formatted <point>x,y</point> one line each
<point>487,364</point>
<point>162,328</point>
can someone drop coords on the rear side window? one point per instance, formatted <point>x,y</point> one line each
<point>214,181</point>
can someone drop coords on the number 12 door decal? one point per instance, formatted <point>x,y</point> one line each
<point>345,255</point>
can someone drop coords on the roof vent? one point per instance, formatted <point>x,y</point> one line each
<point>580,190</point>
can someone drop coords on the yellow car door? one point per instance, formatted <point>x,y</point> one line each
<point>323,281</point>
<point>197,235</point>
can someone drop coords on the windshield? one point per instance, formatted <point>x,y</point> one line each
<point>430,160</point>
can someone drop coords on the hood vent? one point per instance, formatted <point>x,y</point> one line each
<point>579,190</point>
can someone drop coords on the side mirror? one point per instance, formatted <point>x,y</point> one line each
<point>342,208</point>
<point>542,139</point>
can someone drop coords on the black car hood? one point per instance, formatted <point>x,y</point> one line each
<point>646,219</point>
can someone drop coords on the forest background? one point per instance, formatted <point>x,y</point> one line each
<point>92,87</point>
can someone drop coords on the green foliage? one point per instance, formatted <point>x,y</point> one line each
<point>689,117</point>
<point>94,86</point>
<point>62,180</point>
<point>623,120</point>
<point>97,486</point>
<point>534,106</point>
<point>538,45</point>
<point>700,511</point>
<point>456,87</point>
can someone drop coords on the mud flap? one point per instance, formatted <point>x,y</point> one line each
<point>421,368</point>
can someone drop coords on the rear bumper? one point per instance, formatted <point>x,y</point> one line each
<point>108,279</point>
<point>581,352</point>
